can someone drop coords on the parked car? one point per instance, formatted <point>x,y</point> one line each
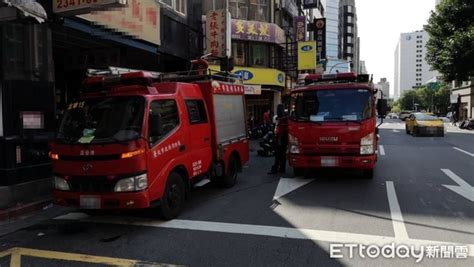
<point>419,124</point>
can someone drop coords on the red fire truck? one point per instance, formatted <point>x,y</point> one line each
<point>136,140</point>
<point>332,123</point>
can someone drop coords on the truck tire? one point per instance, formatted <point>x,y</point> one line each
<point>368,174</point>
<point>298,171</point>
<point>173,199</point>
<point>230,177</point>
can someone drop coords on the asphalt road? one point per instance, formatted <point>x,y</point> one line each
<point>420,195</point>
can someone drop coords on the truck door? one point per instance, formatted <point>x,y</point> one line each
<point>200,151</point>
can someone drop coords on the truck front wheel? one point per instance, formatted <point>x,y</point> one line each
<point>298,171</point>
<point>173,199</point>
<point>368,174</point>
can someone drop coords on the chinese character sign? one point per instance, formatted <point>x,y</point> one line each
<point>216,33</point>
<point>300,28</point>
<point>257,31</point>
<point>320,36</point>
<point>139,19</point>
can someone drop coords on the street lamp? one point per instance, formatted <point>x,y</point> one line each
<point>338,64</point>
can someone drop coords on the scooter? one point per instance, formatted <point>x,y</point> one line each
<point>267,145</point>
<point>467,124</point>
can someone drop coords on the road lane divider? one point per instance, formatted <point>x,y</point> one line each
<point>395,212</point>
<point>317,236</point>
<point>464,151</point>
<point>463,188</point>
<point>381,150</point>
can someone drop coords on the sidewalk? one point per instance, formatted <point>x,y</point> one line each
<point>455,129</point>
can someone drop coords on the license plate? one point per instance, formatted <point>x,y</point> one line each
<point>90,202</point>
<point>328,162</point>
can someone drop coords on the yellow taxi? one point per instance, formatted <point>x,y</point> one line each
<point>419,124</point>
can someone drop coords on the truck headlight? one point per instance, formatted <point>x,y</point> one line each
<point>61,184</point>
<point>367,144</point>
<point>293,147</point>
<point>131,184</point>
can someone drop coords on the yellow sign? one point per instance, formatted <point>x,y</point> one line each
<point>307,55</point>
<point>139,19</point>
<point>258,76</point>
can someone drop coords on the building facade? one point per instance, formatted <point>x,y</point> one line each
<point>384,86</point>
<point>362,67</point>
<point>348,34</point>
<point>411,68</point>
<point>462,95</point>
<point>262,37</point>
<point>334,63</point>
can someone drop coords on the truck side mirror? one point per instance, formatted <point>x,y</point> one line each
<point>155,126</point>
<point>280,110</point>
<point>382,107</point>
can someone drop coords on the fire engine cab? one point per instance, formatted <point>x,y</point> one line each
<point>332,123</point>
<point>137,139</point>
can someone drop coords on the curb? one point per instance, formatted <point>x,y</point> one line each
<point>18,211</point>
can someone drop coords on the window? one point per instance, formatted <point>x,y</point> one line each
<point>349,49</point>
<point>259,10</point>
<point>177,5</point>
<point>349,9</point>
<point>349,39</point>
<point>196,111</point>
<point>238,9</point>
<point>349,29</point>
<point>349,19</point>
<point>168,113</point>
<point>209,5</point>
<point>259,55</point>
<point>239,54</point>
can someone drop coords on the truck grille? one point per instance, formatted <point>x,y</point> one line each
<point>91,184</point>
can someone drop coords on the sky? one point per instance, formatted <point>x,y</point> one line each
<point>380,23</point>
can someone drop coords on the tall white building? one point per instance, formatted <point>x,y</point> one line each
<point>384,86</point>
<point>411,68</point>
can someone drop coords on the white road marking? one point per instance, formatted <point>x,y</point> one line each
<point>286,185</point>
<point>463,188</point>
<point>397,219</point>
<point>318,236</point>
<point>382,150</point>
<point>395,131</point>
<point>464,151</point>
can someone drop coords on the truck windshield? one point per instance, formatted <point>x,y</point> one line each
<point>332,105</point>
<point>102,120</point>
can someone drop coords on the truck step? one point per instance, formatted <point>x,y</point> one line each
<point>202,183</point>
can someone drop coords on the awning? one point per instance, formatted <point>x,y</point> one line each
<point>18,9</point>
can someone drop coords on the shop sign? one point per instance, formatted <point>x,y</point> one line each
<point>76,7</point>
<point>217,33</point>
<point>257,31</point>
<point>258,76</point>
<point>139,19</point>
<point>300,28</point>
<point>253,89</point>
<point>320,36</point>
<point>307,55</point>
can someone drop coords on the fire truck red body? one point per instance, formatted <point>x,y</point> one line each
<point>333,124</point>
<point>132,143</point>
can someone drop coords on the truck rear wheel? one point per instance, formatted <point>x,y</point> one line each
<point>173,199</point>
<point>298,171</point>
<point>230,178</point>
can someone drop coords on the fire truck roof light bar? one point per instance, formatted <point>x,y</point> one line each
<point>336,77</point>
